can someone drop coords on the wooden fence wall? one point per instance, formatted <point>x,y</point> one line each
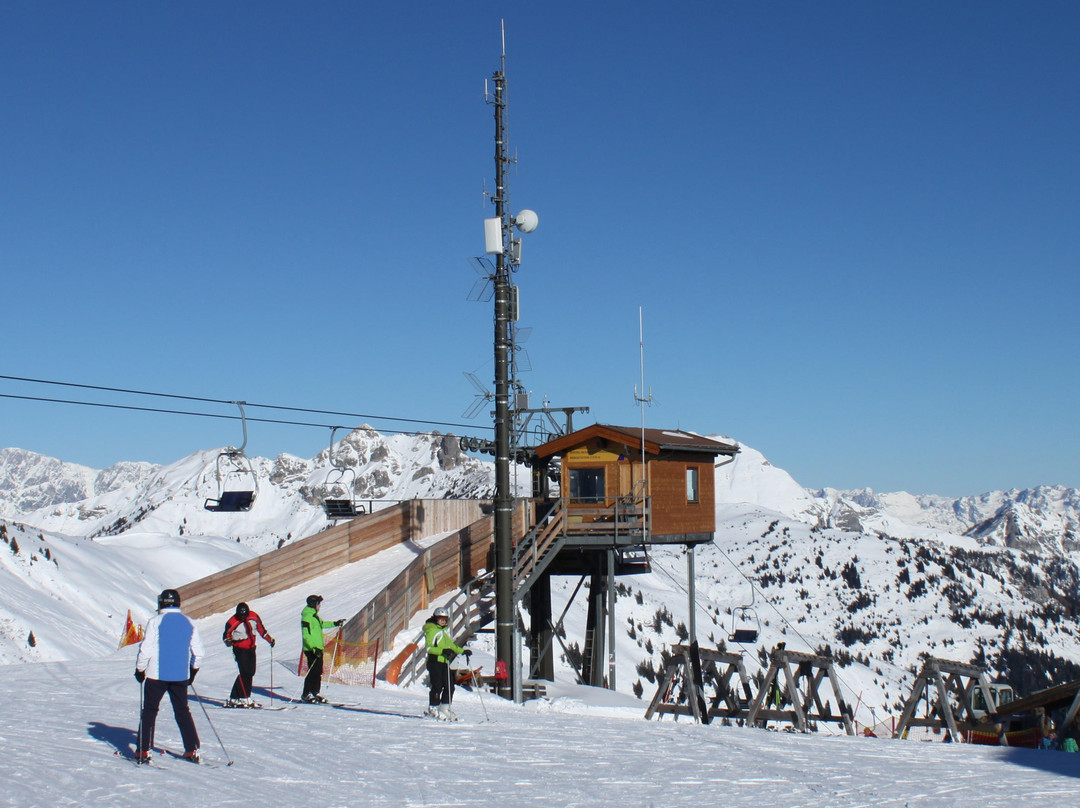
<point>444,567</point>
<point>332,548</point>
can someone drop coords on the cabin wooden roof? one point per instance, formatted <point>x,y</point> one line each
<point>656,441</point>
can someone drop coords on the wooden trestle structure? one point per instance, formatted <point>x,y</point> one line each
<point>696,668</point>
<point>797,702</point>
<point>945,688</point>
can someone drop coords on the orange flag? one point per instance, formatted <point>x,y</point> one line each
<point>131,633</point>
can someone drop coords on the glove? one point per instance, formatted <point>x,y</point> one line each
<point>316,653</point>
<point>191,679</point>
<point>449,655</point>
<point>228,642</point>
<point>271,640</point>
<point>467,652</point>
<point>339,622</point>
<point>140,676</point>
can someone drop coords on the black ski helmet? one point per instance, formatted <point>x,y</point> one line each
<point>168,598</point>
<point>314,600</point>
<point>242,610</point>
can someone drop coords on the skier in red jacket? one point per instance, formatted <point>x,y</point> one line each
<point>240,631</point>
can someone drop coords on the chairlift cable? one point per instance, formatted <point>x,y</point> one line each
<point>164,411</point>
<point>227,401</point>
<point>780,614</point>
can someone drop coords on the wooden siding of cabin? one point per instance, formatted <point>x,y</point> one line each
<point>671,513</point>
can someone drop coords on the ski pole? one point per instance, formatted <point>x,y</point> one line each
<point>142,701</point>
<point>333,659</point>
<point>211,723</point>
<point>294,694</point>
<point>271,675</point>
<point>479,687</point>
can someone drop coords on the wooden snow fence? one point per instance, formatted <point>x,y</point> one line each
<point>330,549</point>
<point>443,567</point>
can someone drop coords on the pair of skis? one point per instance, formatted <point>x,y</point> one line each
<point>257,707</point>
<point>298,702</point>
<point>152,761</point>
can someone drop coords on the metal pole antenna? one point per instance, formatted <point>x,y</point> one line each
<point>504,548</point>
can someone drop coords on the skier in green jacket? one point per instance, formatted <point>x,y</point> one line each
<point>311,629</point>
<point>441,650</point>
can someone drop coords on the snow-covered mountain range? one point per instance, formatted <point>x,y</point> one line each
<point>1044,519</point>
<point>75,500</point>
<point>881,580</point>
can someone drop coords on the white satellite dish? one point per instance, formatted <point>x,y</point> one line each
<point>527,221</point>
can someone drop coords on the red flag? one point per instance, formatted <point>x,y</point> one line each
<point>131,633</point>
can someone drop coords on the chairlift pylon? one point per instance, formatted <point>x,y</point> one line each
<point>745,624</point>
<point>237,483</point>
<point>339,478</point>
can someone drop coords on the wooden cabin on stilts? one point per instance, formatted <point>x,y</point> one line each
<point>621,491</point>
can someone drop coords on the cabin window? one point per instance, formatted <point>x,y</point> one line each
<point>586,485</point>
<point>692,484</point>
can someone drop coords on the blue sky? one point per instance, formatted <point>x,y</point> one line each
<point>852,226</point>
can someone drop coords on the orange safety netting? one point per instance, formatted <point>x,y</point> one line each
<point>131,633</point>
<point>347,663</point>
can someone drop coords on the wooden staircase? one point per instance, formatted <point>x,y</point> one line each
<point>471,609</point>
<point>538,548</point>
<point>626,520</point>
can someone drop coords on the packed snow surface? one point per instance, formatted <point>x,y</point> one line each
<point>67,727</point>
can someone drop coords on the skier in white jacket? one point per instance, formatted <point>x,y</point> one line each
<point>169,657</point>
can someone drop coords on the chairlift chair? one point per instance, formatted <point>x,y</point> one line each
<point>237,483</point>
<point>745,624</point>
<point>633,560</point>
<point>339,478</point>
<point>340,507</point>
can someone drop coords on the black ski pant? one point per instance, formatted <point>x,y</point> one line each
<point>153,691</point>
<point>245,662</point>
<point>440,681</point>
<point>313,680</point>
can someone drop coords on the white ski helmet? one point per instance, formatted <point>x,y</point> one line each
<point>442,611</point>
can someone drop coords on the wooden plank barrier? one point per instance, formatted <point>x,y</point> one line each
<point>328,550</point>
<point>439,570</point>
<point>216,592</point>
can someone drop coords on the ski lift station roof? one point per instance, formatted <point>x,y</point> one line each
<point>657,441</point>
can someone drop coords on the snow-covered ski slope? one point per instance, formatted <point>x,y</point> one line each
<point>62,725</point>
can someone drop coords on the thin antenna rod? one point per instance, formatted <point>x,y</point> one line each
<point>642,399</point>
<point>641,353</point>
